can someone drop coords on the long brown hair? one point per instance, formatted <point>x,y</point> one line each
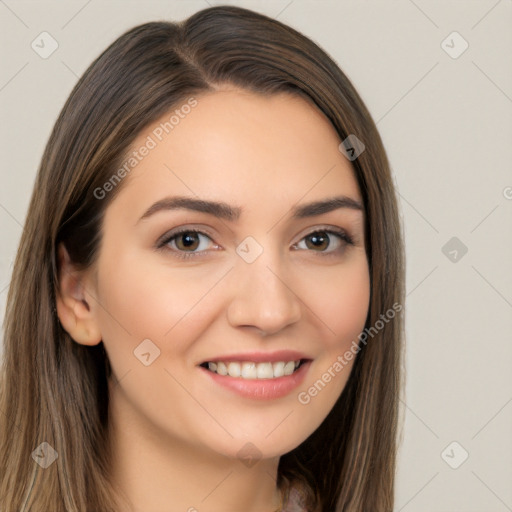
<point>54,390</point>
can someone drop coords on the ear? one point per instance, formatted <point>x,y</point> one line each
<point>76,306</point>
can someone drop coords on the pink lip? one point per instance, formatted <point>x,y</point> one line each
<point>261,357</point>
<point>261,389</point>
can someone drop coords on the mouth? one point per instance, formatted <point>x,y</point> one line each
<point>257,380</point>
<point>252,370</point>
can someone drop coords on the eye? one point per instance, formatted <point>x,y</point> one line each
<point>185,243</point>
<point>189,242</point>
<point>320,240</point>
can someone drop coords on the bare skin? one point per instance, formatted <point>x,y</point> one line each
<point>176,433</point>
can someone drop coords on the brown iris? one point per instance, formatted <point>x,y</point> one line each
<point>317,239</point>
<point>188,238</point>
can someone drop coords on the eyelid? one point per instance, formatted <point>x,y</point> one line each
<point>162,240</point>
<point>346,240</point>
<point>337,230</point>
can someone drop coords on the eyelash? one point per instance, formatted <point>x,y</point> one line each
<point>344,236</point>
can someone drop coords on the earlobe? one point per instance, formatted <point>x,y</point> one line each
<point>75,308</point>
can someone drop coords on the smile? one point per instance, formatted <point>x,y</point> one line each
<point>257,380</point>
<point>253,370</point>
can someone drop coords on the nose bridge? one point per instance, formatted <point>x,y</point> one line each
<point>263,297</point>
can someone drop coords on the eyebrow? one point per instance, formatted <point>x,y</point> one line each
<point>232,213</point>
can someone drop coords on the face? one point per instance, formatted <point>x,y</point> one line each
<point>261,280</point>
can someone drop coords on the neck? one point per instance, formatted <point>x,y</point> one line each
<point>158,473</point>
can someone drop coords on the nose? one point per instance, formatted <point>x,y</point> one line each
<point>263,296</point>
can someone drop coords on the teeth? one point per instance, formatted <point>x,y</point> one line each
<point>251,370</point>
<point>278,369</point>
<point>289,367</point>
<point>221,368</point>
<point>234,369</point>
<point>265,371</point>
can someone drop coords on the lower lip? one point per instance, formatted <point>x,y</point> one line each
<point>261,389</point>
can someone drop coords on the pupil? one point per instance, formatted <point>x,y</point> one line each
<point>189,239</point>
<point>318,240</point>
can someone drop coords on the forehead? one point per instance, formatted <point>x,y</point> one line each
<point>240,147</point>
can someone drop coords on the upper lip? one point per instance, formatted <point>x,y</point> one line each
<point>260,357</point>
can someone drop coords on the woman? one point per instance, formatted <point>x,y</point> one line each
<point>204,312</point>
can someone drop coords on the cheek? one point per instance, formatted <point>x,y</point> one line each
<point>167,306</point>
<point>342,305</point>
<point>347,311</point>
<point>140,300</point>
<point>340,299</point>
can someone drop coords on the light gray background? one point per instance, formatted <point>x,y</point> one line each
<point>447,126</point>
